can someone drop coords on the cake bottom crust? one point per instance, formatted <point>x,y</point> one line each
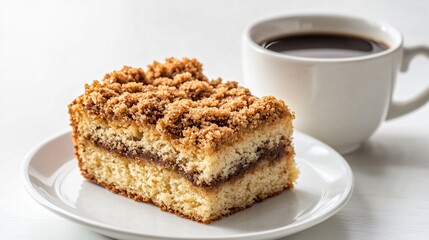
<point>148,182</point>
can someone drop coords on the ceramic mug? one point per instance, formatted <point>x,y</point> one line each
<point>341,101</point>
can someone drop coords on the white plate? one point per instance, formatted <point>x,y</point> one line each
<point>52,178</point>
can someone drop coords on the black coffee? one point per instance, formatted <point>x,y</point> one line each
<point>324,46</point>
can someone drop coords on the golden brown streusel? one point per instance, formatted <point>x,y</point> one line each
<point>177,99</point>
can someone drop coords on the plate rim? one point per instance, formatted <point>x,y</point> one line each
<point>102,227</point>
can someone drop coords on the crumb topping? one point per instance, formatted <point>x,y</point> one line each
<point>179,100</point>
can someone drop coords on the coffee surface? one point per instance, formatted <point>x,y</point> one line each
<point>324,46</point>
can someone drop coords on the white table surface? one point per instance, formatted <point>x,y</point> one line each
<point>49,49</point>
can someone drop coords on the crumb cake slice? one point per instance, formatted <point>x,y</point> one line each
<point>199,148</point>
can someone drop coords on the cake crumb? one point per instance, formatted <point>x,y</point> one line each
<point>181,103</point>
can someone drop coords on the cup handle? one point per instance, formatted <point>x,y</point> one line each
<point>397,109</point>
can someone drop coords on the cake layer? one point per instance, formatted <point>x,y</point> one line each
<point>181,104</point>
<point>146,181</point>
<point>264,154</point>
<point>201,169</point>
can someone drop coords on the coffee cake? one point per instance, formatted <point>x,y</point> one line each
<point>196,147</point>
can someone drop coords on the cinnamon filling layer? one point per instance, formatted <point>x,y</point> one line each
<point>264,154</point>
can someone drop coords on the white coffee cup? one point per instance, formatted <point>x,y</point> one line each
<point>341,101</point>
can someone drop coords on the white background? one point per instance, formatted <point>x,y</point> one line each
<point>49,49</point>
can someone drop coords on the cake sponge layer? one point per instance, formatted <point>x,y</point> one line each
<point>203,169</point>
<point>149,182</point>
